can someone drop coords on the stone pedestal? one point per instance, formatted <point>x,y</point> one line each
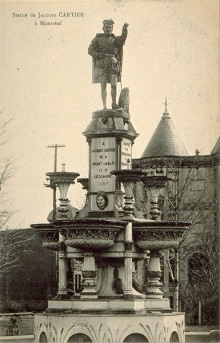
<point>109,327</point>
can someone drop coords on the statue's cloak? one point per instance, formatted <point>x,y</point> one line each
<point>95,75</point>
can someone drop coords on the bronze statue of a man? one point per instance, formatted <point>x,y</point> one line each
<point>106,50</point>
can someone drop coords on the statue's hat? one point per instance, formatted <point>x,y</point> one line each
<point>108,21</point>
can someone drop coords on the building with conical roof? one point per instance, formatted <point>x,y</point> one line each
<point>216,149</point>
<point>165,140</point>
<point>192,195</point>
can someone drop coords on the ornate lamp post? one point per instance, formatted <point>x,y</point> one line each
<point>154,184</point>
<point>63,180</point>
<point>128,177</point>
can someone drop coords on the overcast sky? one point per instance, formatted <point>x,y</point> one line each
<point>172,51</point>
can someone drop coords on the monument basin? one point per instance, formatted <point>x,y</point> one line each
<point>49,235</point>
<point>90,234</point>
<point>158,235</point>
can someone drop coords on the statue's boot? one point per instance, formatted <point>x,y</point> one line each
<point>115,106</point>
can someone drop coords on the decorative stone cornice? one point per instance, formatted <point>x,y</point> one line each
<point>176,161</point>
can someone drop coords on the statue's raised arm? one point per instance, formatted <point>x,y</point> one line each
<point>125,26</point>
<point>106,51</point>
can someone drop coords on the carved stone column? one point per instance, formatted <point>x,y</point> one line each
<point>62,289</point>
<point>89,274</point>
<point>154,274</point>
<point>129,198</point>
<point>72,265</point>
<point>128,261</point>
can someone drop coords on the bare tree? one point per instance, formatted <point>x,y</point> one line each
<point>187,199</point>
<point>203,276</point>
<point>11,241</point>
<point>6,172</point>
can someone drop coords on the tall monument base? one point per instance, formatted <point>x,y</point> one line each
<point>105,241</point>
<point>116,325</point>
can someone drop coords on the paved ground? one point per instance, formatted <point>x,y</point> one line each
<point>197,337</point>
<point>202,334</point>
<point>17,339</point>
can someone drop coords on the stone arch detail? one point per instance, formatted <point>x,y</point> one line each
<point>40,331</point>
<point>175,333</point>
<point>43,338</point>
<point>79,338</point>
<point>136,338</point>
<point>174,338</point>
<point>77,330</point>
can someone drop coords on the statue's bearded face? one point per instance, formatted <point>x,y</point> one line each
<point>108,28</point>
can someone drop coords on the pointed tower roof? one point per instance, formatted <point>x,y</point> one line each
<point>216,149</point>
<point>165,140</point>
